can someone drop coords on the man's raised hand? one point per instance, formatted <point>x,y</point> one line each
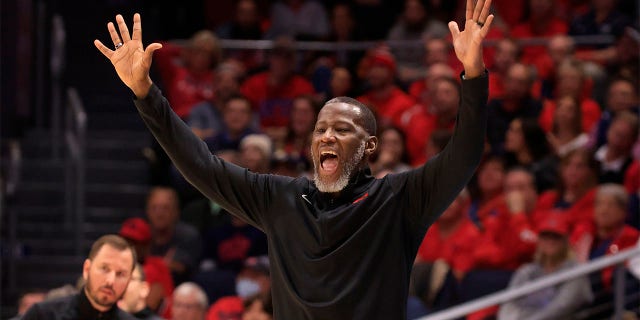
<point>131,61</point>
<point>468,43</point>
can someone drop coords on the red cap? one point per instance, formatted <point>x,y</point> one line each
<point>383,57</point>
<point>136,229</point>
<point>554,225</point>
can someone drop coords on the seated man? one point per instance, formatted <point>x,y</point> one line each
<point>134,298</point>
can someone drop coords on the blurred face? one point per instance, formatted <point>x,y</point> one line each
<point>445,99</point>
<point>226,84</point>
<point>517,83</point>
<point>620,136</point>
<point>551,244</point>
<point>506,54</point>
<point>437,71</point>
<point>569,82</point>
<point>621,96</point>
<point>576,172</point>
<point>566,111</point>
<point>162,209</point>
<point>256,312</point>
<point>339,146</point>
<point>514,139</point>
<point>540,8</point>
<point>200,56</point>
<point>342,22</point>
<point>437,51</point>
<point>340,82</point>
<point>491,178</point>
<point>560,48</point>
<point>237,115</point>
<point>247,14</point>
<point>303,117</point>
<point>391,143</point>
<point>187,307</point>
<point>134,295</point>
<point>455,211</point>
<point>107,276</point>
<point>609,213</point>
<point>253,158</point>
<point>413,12</point>
<point>379,76</point>
<point>281,65</point>
<point>522,182</point>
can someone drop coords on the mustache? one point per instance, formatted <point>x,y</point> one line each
<point>110,288</point>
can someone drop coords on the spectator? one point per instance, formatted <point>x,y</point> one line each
<point>615,156</point>
<point>106,271</point>
<point>258,308</point>
<point>134,299</point>
<point>422,90</point>
<point>177,242</point>
<point>299,19</point>
<point>526,145</point>
<point>437,141</point>
<point>560,48</point>
<point>156,273</point>
<point>553,255</point>
<point>245,25</point>
<point>486,188</point>
<point>384,98</point>
<point>391,155</point>
<point>188,73</point>
<point>517,102</point>
<point>603,19</point>
<point>256,151</point>
<point>205,119</point>
<point>272,92</point>
<point>296,145</point>
<point>571,80</point>
<point>343,29</point>
<point>27,300</point>
<point>541,21</point>
<point>421,120</point>
<point>566,133</point>
<point>606,233</point>
<point>622,95</point>
<point>237,118</point>
<point>341,84</point>
<point>413,25</point>
<point>573,200</point>
<point>439,50</point>
<point>451,238</point>
<point>189,302</point>
<point>507,53</point>
<point>253,280</point>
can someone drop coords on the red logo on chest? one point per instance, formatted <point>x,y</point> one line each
<point>361,198</point>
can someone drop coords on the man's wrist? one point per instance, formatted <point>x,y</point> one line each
<point>474,71</point>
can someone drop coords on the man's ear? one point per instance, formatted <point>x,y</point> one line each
<point>371,145</point>
<point>85,269</point>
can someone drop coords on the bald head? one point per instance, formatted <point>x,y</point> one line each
<point>366,119</point>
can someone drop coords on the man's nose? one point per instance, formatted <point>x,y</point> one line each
<point>110,278</point>
<point>329,136</point>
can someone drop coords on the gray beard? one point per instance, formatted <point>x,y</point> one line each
<point>350,166</point>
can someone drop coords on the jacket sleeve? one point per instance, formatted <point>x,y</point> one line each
<point>569,298</point>
<point>432,187</point>
<point>244,194</point>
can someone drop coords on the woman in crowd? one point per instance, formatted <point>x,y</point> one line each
<point>392,154</point>
<point>566,133</point>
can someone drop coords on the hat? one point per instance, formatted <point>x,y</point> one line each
<point>258,264</point>
<point>135,229</point>
<point>554,225</point>
<point>260,141</point>
<point>383,57</point>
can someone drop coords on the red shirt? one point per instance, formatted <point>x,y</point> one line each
<point>533,54</point>
<point>389,109</point>
<point>583,240</point>
<point>226,308</point>
<point>632,177</point>
<point>590,114</point>
<point>157,271</point>
<point>456,249</point>
<point>184,89</point>
<point>273,103</point>
<point>581,211</point>
<point>417,125</point>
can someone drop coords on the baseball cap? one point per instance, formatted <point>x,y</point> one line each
<point>135,229</point>
<point>383,57</point>
<point>259,264</point>
<point>554,225</point>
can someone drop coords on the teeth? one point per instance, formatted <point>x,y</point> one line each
<point>324,153</point>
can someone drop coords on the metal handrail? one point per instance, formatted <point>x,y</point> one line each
<point>541,283</point>
<point>75,136</point>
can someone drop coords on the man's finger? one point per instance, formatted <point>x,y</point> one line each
<point>477,10</point>
<point>113,33</point>
<point>137,27</point>
<point>148,52</point>
<point>455,31</point>
<point>469,11</point>
<point>487,25</point>
<point>485,11</point>
<point>122,26</point>
<point>105,51</point>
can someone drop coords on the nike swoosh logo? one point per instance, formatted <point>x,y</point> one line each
<point>304,196</point>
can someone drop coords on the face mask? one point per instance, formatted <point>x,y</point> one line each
<point>246,288</point>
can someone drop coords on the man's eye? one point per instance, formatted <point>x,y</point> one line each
<point>321,130</point>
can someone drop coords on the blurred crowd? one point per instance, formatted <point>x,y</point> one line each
<point>559,184</point>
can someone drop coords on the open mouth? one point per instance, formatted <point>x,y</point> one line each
<point>329,161</point>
